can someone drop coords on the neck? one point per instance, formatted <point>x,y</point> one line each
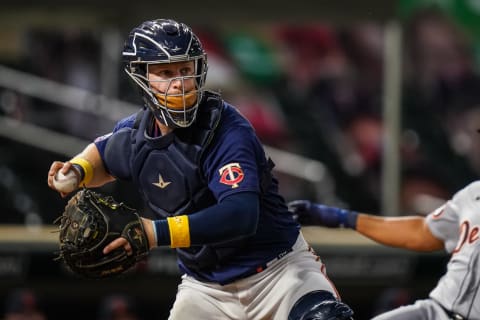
<point>163,128</point>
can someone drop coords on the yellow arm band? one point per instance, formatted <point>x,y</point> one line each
<point>179,231</point>
<point>87,170</point>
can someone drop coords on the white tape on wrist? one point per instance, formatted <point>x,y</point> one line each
<point>155,233</point>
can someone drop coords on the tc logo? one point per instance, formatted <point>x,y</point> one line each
<point>231,174</point>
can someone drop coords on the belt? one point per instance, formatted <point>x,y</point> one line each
<point>278,257</point>
<point>453,315</point>
<point>262,267</point>
<point>299,243</point>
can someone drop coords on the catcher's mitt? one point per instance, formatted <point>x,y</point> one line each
<point>90,222</point>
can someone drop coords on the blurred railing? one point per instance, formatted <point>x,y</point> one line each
<point>309,170</point>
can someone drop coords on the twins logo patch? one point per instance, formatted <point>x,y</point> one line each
<point>231,174</point>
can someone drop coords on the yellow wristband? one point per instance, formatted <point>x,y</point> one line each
<point>87,169</point>
<point>179,231</point>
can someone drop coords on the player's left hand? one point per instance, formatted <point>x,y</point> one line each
<point>100,237</point>
<point>121,242</point>
<point>118,243</point>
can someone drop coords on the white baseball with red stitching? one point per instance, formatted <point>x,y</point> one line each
<point>66,182</point>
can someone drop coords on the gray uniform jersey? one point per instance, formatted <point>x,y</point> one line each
<point>457,223</point>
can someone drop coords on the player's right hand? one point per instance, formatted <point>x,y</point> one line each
<point>310,213</point>
<point>56,166</point>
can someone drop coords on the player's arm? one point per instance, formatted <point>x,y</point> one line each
<point>234,218</point>
<point>89,165</point>
<point>409,232</point>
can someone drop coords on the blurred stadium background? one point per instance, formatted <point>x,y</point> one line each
<point>371,105</point>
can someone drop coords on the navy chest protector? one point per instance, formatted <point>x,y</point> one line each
<point>166,171</point>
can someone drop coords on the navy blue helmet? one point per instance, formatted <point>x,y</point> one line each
<point>166,41</point>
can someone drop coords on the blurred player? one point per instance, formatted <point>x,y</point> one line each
<point>201,169</point>
<point>23,304</point>
<point>117,307</point>
<point>454,226</point>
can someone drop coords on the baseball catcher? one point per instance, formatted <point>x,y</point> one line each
<point>206,180</point>
<point>90,222</point>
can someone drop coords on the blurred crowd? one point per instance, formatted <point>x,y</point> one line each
<point>314,89</point>
<point>24,303</point>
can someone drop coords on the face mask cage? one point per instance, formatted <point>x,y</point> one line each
<point>175,110</point>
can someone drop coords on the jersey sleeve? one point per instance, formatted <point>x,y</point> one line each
<point>114,147</point>
<point>234,163</point>
<point>443,223</point>
<point>102,141</point>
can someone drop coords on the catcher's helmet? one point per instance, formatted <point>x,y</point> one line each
<point>166,41</point>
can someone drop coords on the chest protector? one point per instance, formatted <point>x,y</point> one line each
<point>167,172</point>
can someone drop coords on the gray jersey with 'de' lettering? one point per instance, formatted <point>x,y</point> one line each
<point>457,223</point>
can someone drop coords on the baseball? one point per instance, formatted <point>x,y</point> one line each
<point>66,182</point>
